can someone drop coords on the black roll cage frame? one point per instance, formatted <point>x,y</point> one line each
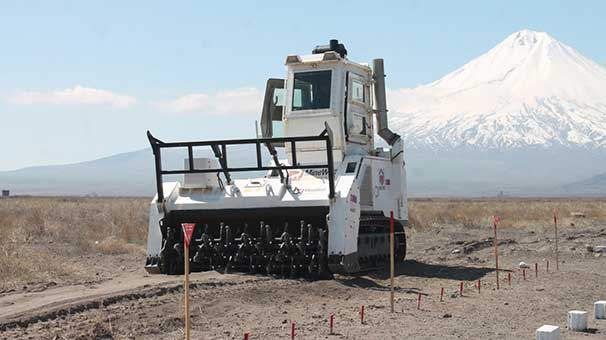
<point>219,148</point>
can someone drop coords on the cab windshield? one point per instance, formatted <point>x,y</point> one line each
<point>311,90</point>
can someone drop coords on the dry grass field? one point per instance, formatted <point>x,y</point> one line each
<point>513,212</point>
<point>42,236</point>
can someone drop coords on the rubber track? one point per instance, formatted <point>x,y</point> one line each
<point>376,223</point>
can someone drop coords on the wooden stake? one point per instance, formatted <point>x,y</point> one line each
<point>479,286</point>
<point>509,278</point>
<point>442,294</point>
<point>186,261</point>
<point>548,266</point>
<point>555,224</point>
<point>496,249</point>
<point>419,302</point>
<point>461,289</point>
<point>524,274</point>
<point>536,269</point>
<point>188,230</point>
<point>392,260</point>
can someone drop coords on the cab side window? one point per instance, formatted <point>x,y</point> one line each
<point>357,91</point>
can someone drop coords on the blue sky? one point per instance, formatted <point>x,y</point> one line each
<point>84,79</point>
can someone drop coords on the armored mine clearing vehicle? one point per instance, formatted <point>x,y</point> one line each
<point>324,194</point>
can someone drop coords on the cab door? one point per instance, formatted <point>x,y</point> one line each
<point>357,113</point>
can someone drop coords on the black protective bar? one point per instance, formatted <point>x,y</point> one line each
<point>293,152</point>
<point>221,156</point>
<point>219,148</point>
<point>190,157</point>
<point>274,157</point>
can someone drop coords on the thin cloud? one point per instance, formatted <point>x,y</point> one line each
<point>237,102</point>
<point>77,95</point>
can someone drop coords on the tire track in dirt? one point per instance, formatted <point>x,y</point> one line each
<point>68,307</point>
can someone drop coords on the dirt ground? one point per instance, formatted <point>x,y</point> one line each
<point>118,300</point>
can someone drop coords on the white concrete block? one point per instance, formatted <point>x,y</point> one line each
<point>599,309</point>
<point>577,320</point>
<point>548,332</point>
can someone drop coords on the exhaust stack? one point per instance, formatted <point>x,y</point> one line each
<point>381,103</point>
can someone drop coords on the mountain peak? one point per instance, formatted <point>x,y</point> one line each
<point>529,38</point>
<point>528,90</point>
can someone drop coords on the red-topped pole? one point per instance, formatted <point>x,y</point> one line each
<point>188,231</point>
<point>555,224</point>
<point>362,314</point>
<point>496,248</point>
<point>391,259</point>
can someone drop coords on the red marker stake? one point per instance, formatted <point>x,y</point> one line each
<point>362,314</point>
<point>509,278</point>
<point>479,286</point>
<point>461,289</point>
<point>442,294</point>
<point>555,224</point>
<point>245,336</point>
<point>292,331</point>
<point>332,317</point>
<point>419,302</point>
<point>391,260</point>
<point>536,270</point>
<point>496,248</point>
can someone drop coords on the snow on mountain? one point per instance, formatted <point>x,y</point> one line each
<point>529,90</point>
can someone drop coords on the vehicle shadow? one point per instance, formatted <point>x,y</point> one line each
<point>419,269</point>
<point>369,283</point>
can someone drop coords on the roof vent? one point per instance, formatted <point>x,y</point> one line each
<point>332,46</point>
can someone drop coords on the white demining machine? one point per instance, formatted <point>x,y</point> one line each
<point>322,201</point>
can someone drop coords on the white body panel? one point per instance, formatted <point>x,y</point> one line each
<point>305,190</point>
<point>201,180</point>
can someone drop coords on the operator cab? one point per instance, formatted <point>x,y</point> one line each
<point>323,87</point>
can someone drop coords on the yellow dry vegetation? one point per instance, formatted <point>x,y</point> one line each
<point>513,212</point>
<point>40,235</point>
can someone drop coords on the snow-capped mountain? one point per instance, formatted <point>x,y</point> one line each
<point>529,90</point>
